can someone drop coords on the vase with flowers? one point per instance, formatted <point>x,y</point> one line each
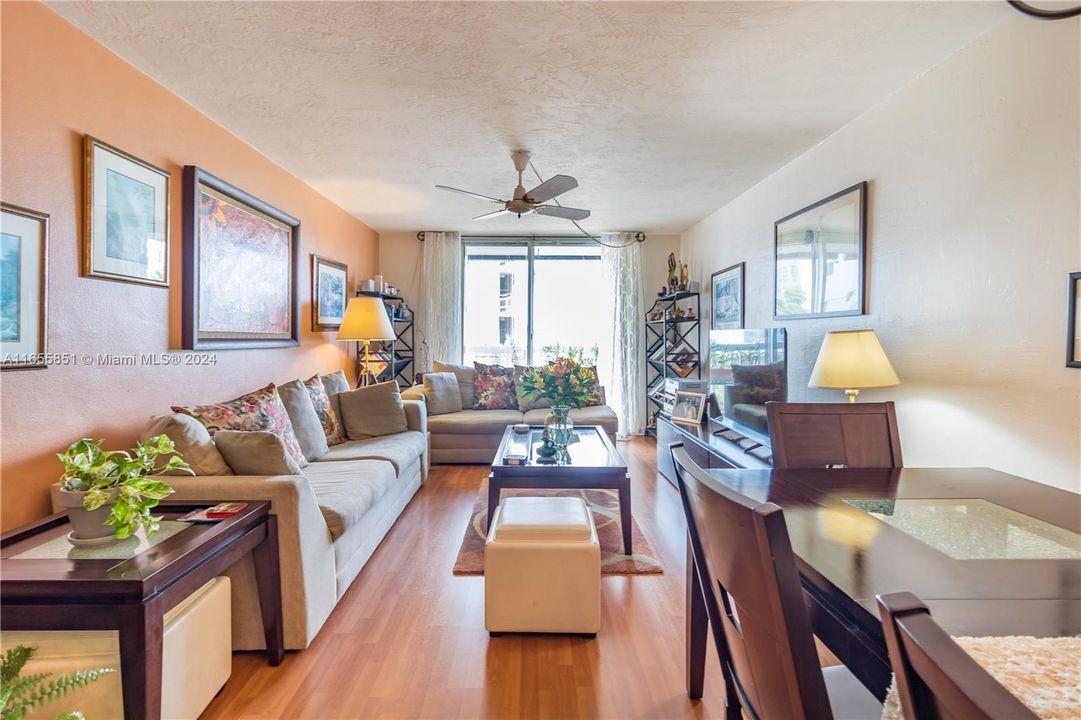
<point>565,384</point>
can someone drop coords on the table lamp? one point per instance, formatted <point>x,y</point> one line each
<point>852,360</point>
<point>366,320</point>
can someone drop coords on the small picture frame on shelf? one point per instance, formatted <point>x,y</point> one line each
<point>688,407</point>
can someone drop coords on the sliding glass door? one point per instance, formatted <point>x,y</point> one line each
<point>527,301</point>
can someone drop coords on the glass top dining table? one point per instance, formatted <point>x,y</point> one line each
<point>991,554</point>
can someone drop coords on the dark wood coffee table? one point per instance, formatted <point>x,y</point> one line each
<point>48,585</point>
<point>594,463</point>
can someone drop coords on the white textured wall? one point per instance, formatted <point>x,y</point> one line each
<point>974,224</point>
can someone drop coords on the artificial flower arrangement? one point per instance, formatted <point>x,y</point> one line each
<point>561,382</point>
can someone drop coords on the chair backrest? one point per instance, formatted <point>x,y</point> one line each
<point>753,597</point>
<point>859,435</point>
<point>935,677</point>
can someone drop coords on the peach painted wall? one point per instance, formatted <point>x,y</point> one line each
<point>57,84</point>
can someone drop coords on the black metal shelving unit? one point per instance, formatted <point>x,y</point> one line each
<point>664,347</point>
<point>399,353</point>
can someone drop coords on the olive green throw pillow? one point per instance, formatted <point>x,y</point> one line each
<point>373,411</point>
<point>441,393</point>
<point>255,452</point>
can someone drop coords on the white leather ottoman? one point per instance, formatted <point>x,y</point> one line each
<point>197,658</point>
<point>542,568</point>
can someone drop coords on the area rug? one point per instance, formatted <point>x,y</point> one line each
<point>605,507</point>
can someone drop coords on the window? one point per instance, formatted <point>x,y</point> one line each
<point>527,301</point>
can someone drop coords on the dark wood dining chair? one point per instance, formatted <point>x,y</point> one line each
<point>858,435</point>
<point>935,677</point>
<point>755,606</point>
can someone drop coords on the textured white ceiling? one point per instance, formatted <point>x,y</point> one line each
<point>663,111</point>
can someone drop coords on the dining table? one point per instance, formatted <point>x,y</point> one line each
<point>991,554</point>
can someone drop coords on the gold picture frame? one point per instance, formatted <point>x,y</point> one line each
<point>687,407</point>
<point>121,195</point>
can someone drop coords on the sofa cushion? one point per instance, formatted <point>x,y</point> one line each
<point>373,411</point>
<point>335,384</point>
<point>493,388</point>
<point>345,491</point>
<point>474,422</point>
<point>526,400</point>
<point>466,376</point>
<point>594,415</point>
<point>325,411</point>
<point>258,410</point>
<point>255,452</point>
<point>192,441</point>
<point>441,393</point>
<point>306,424</point>
<point>400,449</point>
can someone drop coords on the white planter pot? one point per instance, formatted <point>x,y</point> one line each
<point>87,524</point>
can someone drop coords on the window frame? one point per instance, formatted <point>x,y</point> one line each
<point>531,243</point>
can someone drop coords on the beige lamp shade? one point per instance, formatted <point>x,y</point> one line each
<point>852,360</point>
<point>366,319</point>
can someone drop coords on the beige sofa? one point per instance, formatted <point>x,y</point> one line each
<point>331,518</point>
<point>472,436</point>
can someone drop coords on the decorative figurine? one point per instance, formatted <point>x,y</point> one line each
<point>684,277</point>
<point>662,292</point>
<point>673,278</point>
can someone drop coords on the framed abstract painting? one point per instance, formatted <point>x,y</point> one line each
<point>819,257</point>
<point>727,298</point>
<point>329,289</point>
<point>240,268</point>
<point>1073,321</point>
<point>125,216</point>
<point>24,261</point>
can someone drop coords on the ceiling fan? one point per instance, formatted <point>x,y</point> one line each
<point>532,202</point>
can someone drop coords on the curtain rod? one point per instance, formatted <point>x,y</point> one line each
<point>639,236</point>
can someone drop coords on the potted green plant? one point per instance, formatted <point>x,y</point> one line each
<point>20,695</point>
<point>113,491</point>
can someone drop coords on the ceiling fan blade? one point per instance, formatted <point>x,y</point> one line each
<point>553,186</point>
<point>562,212</point>
<point>471,194</point>
<point>497,213</point>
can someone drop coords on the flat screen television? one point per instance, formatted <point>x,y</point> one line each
<point>747,369</point>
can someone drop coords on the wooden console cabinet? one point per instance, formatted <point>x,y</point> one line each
<point>705,448</point>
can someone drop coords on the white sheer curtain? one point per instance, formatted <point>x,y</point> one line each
<point>441,311</point>
<point>623,268</point>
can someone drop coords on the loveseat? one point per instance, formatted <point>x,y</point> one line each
<point>332,514</point>
<point>472,436</point>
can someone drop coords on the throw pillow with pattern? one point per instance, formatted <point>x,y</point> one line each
<point>597,397</point>
<point>258,410</point>
<point>493,388</point>
<point>332,426</point>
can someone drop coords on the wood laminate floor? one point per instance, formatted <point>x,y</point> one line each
<point>408,638</point>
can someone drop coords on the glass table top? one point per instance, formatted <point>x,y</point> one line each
<point>587,449</point>
<point>53,546</point>
<point>974,529</point>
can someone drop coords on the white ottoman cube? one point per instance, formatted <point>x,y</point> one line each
<point>542,567</point>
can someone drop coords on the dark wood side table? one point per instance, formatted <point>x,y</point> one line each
<point>131,591</point>
<point>594,464</point>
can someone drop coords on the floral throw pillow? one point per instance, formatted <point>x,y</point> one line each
<point>258,410</point>
<point>493,388</point>
<point>332,426</point>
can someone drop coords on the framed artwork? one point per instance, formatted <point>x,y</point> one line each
<point>819,255</point>
<point>240,268</point>
<point>329,293</point>
<point>24,270</point>
<point>688,407</point>
<point>728,296</point>
<point>1073,321</point>
<point>125,216</point>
